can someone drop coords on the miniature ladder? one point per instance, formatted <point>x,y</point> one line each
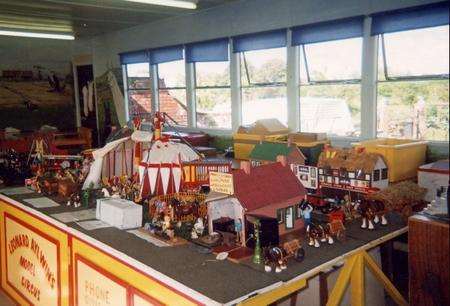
<point>353,271</point>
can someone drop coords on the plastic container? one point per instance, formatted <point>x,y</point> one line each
<point>403,156</point>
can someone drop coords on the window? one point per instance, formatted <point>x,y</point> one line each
<point>376,175</point>
<point>384,174</point>
<point>298,211</point>
<point>172,91</point>
<point>213,94</point>
<point>280,216</point>
<point>289,217</point>
<point>413,86</point>
<point>138,89</point>
<point>263,82</point>
<point>330,89</point>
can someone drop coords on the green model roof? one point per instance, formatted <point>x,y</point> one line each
<point>269,151</point>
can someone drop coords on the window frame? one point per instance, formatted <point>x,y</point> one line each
<point>258,85</point>
<point>159,88</point>
<point>391,79</point>
<point>291,209</point>
<point>303,55</point>
<point>243,61</point>
<point>280,216</point>
<point>127,90</point>
<point>388,78</point>
<point>213,87</point>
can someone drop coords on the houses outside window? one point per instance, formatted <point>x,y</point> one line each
<point>413,84</point>
<point>330,87</point>
<point>213,94</point>
<point>138,89</point>
<point>263,84</point>
<point>172,91</point>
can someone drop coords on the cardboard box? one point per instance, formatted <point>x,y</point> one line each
<point>246,137</point>
<point>120,213</point>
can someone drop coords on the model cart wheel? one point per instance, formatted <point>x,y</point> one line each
<point>299,254</point>
<point>341,235</point>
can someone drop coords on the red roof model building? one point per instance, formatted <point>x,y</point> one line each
<point>266,185</point>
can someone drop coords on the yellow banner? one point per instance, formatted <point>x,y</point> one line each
<point>96,289</point>
<point>32,263</point>
<point>221,182</point>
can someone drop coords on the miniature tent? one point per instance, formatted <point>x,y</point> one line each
<point>115,158</point>
<point>160,171</point>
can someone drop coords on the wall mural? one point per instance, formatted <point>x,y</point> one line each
<point>39,96</point>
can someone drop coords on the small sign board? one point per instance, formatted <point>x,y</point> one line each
<point>221,182</point>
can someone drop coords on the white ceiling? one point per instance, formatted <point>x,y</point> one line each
<point>86,17</point>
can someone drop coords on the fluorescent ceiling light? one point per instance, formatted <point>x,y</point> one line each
<point>37,35</point>
<point>172,3</point>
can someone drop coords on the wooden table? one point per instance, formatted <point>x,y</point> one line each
<point>123,268</point>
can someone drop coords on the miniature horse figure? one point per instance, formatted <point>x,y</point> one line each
<point>274,257</point>
<point>316,233</point>
<point>372,212</point>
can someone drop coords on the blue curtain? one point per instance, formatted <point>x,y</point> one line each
<point>329,30</point>
<point>166,54</point>
<point>431,15</point>
<point>134,57</point>
<point>208,51</point>
<point>258,41</point>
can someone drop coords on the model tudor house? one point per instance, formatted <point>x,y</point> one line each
<point>269,190</point>
<point>352,169</point>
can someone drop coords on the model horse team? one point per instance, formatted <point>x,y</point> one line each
<point>287,185</point>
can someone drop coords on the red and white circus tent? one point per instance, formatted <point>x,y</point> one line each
<point>160,170</point>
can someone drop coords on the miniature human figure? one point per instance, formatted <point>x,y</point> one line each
<point>306,209</point>
<point>238,230</point>
<point>348,207</point>
<point>37,179</point>
<point>199,226</point>
<point>167,227</point>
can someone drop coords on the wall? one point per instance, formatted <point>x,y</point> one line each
<point>231,19</point>
<point>20,53</point>
<point>45,105</point>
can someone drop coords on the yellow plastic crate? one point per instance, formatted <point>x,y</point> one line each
<point>403,156</point>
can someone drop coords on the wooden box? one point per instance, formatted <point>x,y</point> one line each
<point>428,262</point>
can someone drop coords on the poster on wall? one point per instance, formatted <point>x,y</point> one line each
<point>96,287</point>
<point>32,263</point>
<point>33,96</point>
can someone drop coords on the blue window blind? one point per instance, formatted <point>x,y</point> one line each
<point>258,41</point>
<point>208,51</point>
<point>134,57</point>
<point>326,31</point>
<point>417,17</point>
<point>166,54</point>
